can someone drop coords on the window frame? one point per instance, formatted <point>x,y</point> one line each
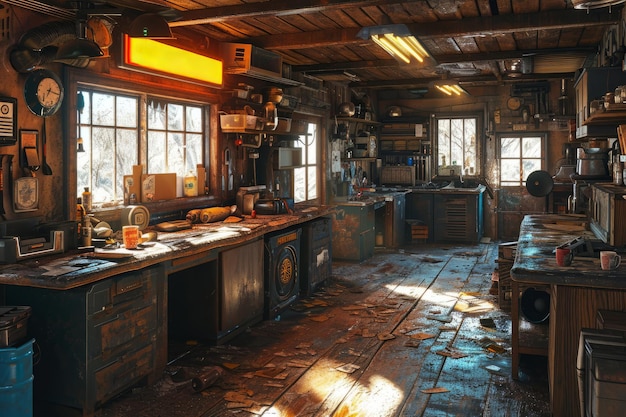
<point>306,165</point>
<point>434,127</point>
<point>520,134</point>
<point>118,80</point>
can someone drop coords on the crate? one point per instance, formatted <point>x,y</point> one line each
<point>13,324</point>
<point>419,231</point>
<point>506,257</point>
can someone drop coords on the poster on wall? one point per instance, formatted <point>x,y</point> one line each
<point>8,121</point>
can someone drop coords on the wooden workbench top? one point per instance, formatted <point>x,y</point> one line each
<point>73,268</point>
<point>535,259</point>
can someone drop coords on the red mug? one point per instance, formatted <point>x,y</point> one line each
<point>564,256</point>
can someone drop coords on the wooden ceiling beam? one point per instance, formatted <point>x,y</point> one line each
<point>469,27</point>
<point>441,59</point>
<point>466,81</point>
<point>267,8</point>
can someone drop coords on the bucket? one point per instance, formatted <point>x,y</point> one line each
<point>16,380</point>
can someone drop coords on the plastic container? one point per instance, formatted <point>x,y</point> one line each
<point>16,380</point>
<point>190,185</point>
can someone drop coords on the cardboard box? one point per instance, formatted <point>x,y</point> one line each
<point>155,187</point>
<point>131,186</point>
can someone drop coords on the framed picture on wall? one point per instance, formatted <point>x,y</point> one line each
<point>8,121</point>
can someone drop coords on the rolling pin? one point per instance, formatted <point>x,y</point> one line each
<point>216,214</point>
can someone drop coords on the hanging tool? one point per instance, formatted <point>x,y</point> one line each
<point>45,168</point>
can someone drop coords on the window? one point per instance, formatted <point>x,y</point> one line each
<point>110,126</point>
<point>305,177</point>
<point>519,156</point>
<point>456,144</point>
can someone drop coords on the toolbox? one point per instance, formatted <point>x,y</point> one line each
<point>13,325</point>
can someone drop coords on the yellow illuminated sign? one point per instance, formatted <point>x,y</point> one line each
<point>163,58</point>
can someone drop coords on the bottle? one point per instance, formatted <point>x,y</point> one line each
<point>86,231</point>
<point>80,217</point>
<point>87,200</point>
<point>206,379</point>
<point>190,185</point>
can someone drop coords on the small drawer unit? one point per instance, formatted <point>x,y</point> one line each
<point>99,339</point>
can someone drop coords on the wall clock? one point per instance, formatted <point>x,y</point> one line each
<point>43,91</point>
<point>514,103</point>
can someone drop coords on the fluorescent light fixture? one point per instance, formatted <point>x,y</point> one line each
<point>595,4</point>
<point>449,87</point>
<point>158,58</point>
<point>397,41</point>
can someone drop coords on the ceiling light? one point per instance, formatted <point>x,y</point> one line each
<point>151,26</point>
<point>595,4</point>
<point>397,41</point>
<point>80,47</point>
<point>449,87</point>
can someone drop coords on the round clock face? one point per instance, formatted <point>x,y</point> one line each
<point>43,92</point>
<point>514,103</point>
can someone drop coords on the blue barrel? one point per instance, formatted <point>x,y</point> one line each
<point>16,380</point>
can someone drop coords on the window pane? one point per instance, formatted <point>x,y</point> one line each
<point>299,185</point>
<point>175,117</point>
<point>126,157</point>
<point>510,170</point>
<point>194,119</point>
<point>103,105</point>
<point>312,182</point>
<point>510,148</point>
<point>176,154</point>
<point>156,151</point>
<point>103,170</point>
<point>156,115</point>
<point>531,165</point>
<point>531,147</point>
<point>194,151</point>
<point>126,112</point>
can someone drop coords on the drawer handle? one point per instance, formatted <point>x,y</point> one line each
<point>128,287</point>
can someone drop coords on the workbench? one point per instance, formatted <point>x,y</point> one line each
<point>101,319</point>
<point>577,292</point>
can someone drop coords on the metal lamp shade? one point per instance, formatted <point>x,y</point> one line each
<point>151,26</point>
<point>79,48</point>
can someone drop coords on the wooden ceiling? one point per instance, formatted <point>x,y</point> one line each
<point>473,41</point>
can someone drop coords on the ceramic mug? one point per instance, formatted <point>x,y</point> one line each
<point>609,260</point>
<point>130,236</point>
<point>564,256</point>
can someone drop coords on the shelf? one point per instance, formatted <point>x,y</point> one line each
<point>606,117</point>
<point>358,120</point>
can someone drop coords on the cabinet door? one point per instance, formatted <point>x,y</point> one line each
<point>601,214</point>
<point>241,292</point>
<point>454,218</point>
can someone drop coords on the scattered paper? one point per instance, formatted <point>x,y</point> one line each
<point>451,353</point>
<point>422,336</point>
<point>348,368</point>
<point>435,390</point>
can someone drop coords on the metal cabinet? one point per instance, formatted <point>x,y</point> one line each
<point>353,231</point>
<point>97,340</point>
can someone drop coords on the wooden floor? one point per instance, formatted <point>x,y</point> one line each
<point>397,335</point>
